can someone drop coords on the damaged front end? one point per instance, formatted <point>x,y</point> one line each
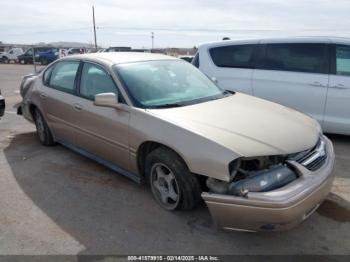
<point>263,192</point>
<point>254,175</point>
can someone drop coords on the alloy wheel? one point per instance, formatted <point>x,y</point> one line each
<point>164,186</point>
<point>40,127</point>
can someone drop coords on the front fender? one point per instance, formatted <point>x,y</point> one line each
<point>202,155</point>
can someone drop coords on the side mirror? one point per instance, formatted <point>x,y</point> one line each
<point>107,100</point>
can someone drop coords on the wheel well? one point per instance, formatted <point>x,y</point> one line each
<point>144,149</point>
<point>147,147</point>
<point>32,108</point>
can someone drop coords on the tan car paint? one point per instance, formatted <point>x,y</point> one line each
<point>102,131</point>
<point>59,112</point>
<point>247,125</point>
<point>202,155</point>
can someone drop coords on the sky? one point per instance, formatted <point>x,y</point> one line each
<point>178,23</point>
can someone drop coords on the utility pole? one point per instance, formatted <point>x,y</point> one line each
<point>152,37</point>
<point>93,18</point>
<point>34,64</point>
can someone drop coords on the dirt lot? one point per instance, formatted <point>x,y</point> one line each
<point>53,201</point>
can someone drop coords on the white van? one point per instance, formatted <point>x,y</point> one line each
<point>311,75</point>
<point>11,55</point>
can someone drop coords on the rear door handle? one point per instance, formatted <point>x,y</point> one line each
<point>317,84</point>
<point>43,95</point>
<point>339,86</point>
<point>78,107</point>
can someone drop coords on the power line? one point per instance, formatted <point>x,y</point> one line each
<point>183,30</point>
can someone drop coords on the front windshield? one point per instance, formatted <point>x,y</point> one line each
<point>166,83</point>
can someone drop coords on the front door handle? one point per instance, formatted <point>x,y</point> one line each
<point>316,83</point>
<point>43,95</point>
<point>78,107</point>
<point>339,86</point>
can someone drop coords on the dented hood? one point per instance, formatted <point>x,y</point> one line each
<point>247,125</point>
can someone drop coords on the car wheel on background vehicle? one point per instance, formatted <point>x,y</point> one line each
<point>22,61</point>
<point>43,61</point>
<point>42,129</point>
<point>172,184</point>
<point>2,105</point>
<point>5,60</point>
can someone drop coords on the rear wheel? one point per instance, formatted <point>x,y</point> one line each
<point>42,129</point>
<point>172,184</point>
<point>5,60</point>
<point>43,61</point>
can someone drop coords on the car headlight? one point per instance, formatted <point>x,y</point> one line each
<point>254,174</point>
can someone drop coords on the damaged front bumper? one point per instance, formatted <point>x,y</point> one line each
<point>279,209</point>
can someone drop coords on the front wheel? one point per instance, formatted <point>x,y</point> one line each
<point>42,129</point>
<point>43,61</point>
<point>172,184</point>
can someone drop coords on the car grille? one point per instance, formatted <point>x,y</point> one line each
<point>314,158</point>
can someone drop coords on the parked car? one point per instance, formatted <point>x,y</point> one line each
<point>74,51</point>
<point>2,105</point>
<point>154,118</point>
<point>11,55</point>
<point>27,57</point>
<point>46,56</point>
<point>118,49</point>
<point>311,75</point>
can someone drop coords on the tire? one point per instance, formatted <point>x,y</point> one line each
<point>5,60</point>
<point>42,129</point>
<point>166,174</point>
<point>43,61</point>
<point>22,62</point>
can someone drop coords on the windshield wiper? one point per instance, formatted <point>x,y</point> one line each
<point>229,92</point>
<point>169,105</point>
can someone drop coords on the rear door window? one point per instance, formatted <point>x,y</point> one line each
<point>63,76</point>
<point>236,56</point>
<point>342,56</point>
<point>295,57</point>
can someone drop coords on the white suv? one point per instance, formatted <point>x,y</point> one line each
<point>311,75</point>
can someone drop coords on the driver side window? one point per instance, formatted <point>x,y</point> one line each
<point>95,80</point>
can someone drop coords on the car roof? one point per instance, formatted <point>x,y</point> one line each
<point>121,57</point>
<point>295,39</point>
